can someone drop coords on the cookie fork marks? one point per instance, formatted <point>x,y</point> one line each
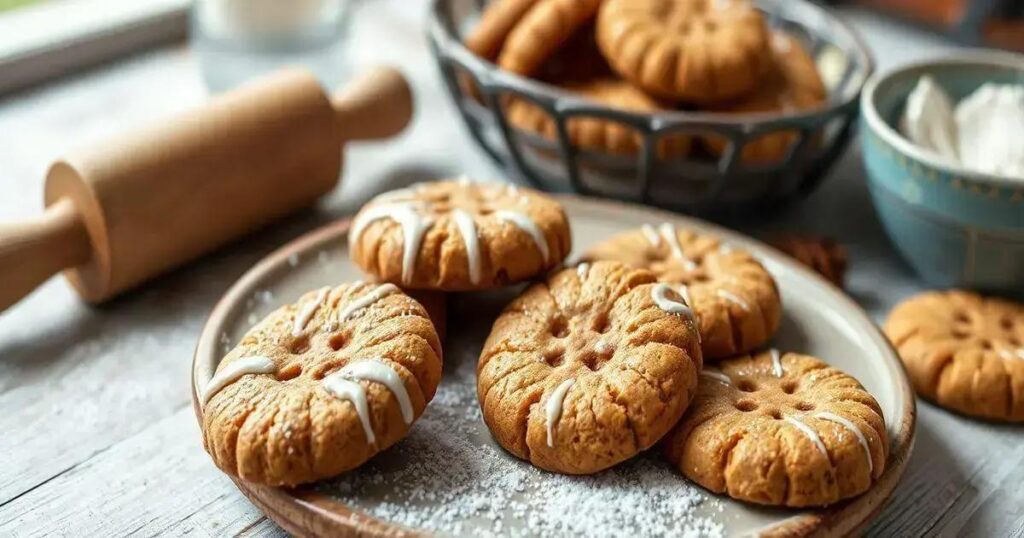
<point>234,371</point>
<point>375,370</point>
<point>553,408</point>
<point>832,417</point>
<point>732,298</point>
<point>810,433</point>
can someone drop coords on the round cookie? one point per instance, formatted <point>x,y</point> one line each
<point>822,254</point>
<point>781,430</point>
<point>793,84</point>
<point>545,27</point>
<point>458,235</point>
<point>963,351</point>
<point>322,385</point>
<point>588,368</point>
<point>594,133</point>
<point>733,295</point>
<point>700,51</point>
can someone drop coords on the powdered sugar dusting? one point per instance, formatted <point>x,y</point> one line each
<point>449,477</point>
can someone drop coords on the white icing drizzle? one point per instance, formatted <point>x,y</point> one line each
<point>651,235</point>
<point>512,190</point>
<point>659,293</point>
<point>235,370</point>
<point>553,408</point>
<point>306,313</point>
<point>825,415</point>
<point>346,389</point>
<point>684,292</point>
<point>776,362</point>
<point>413,225</point>
<point>724,249</point>
<point>373,296</point>
<point>810,433</point>
<point>668,233</point>
<point>581,270</point>
<point>717,375</point>
<point>1014,354</point>
<point>732,298</point>
<point>463,180</point>
<point>467,228</point>
<point>377,371</point>
<point>525,224</point>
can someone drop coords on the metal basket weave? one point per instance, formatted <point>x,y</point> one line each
<point>695,183</point>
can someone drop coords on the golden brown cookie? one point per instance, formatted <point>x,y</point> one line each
<point>545,27</point>
<point>792,84</point>
<point>700,51</point>
<point>822,254</point>
<point>322,385</point>
<point>594,133</point>
<point>735,298</point>
<point>782,430</point>
<point>496,22</point>
<point>963,351</point>
<point>459,235</point>
<point>588,368</point>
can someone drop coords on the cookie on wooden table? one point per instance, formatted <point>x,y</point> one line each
<point>459,235</point>
<point>322,385</point>
<point>545,28</point>
<point>792,84</point>
<point>699,51</point>
<point>734,296</point>
<point>782,430</point>
<point>588,368</point>
<point>594,133</point>
<point>963,351</point>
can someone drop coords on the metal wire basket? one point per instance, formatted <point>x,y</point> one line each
<point>698,182</point>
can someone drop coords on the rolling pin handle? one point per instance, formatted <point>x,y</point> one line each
<point>33,251</point>
<point>378,104</point>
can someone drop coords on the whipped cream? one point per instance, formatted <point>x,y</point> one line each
<point>981,133</point>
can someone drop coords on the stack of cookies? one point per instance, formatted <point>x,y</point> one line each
<point>649,56</point>
<point>656,338</point>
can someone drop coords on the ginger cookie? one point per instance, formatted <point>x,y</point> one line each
<point>545,28</point>
<point>793,84</point>
<point>322,385</point>
<point>963,351</point>
<point>733,295</point>
<point>459,235</point>
<point>496,22</point>
<point>822,254</point>
<point>782,430</point>
<point>699,51</point>
<point>594,133</point>
<point>588,368</point>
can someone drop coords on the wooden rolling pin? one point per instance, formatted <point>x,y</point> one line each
<point>131,208</point>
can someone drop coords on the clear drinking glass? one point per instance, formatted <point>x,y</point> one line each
<point>236,40</point>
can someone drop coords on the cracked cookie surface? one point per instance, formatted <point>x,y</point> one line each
<point>735,298</point>
<point>782,430</point>
<point>588,368</point>
<point>963,351</point>
<point>459,235</point>
<point>320,386</point>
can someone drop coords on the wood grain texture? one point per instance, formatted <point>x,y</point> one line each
<point>94,402</point>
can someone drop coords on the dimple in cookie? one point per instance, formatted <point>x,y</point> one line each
<point>734,297</point>
<point>459,235</point>
<point>320,386</point>
<point>963,351</point>
<point>588,368</point>
<point>782,430</point>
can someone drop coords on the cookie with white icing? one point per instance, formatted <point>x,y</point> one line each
<point>963,351</point>
<point>781,429</point>
<point>322,385</point>
<point>459,235</point>
<point>733,295</point>
<point>588,368</point>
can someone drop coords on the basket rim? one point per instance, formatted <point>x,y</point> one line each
<point>446,43</point>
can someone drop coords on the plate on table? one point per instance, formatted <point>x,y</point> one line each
<point>449,477</point>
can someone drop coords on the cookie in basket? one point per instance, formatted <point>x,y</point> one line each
<point>588,368</point>
<point>322,385</point>
<point>735,298</point>
<point>792,85</point>
<point>781,430</point>
<point>698,51</point>
<point>597,134</point>
<point>459,235</point>
<point>542,31</point>
<point>496,22</point>
<point>963,351</point>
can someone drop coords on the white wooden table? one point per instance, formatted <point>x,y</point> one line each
<point>97,435</point>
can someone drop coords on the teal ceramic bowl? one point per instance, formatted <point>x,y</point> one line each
<point>957,228</point>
